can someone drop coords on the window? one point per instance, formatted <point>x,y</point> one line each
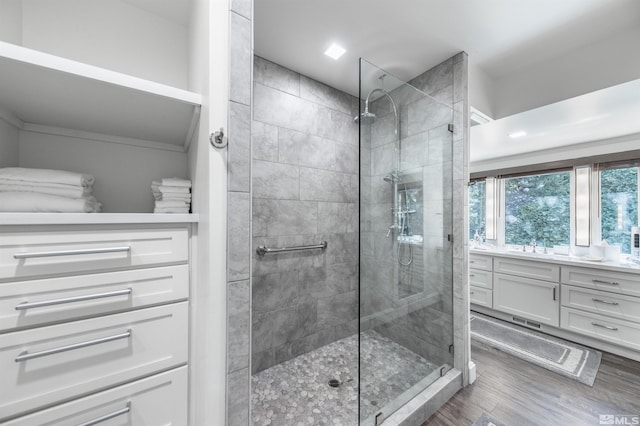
<point>477,209</point>
<point>618,205</point>
<point>537,208</point>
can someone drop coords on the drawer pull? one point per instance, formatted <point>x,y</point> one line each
<point>472,275</point>
<point>554,293</point>
<point>605,301</point>
<point>605,282</point>
<point>27,356</point>
<point>106,417</point>
<point>29,305</point>
<point>71,252</point>
<point>471,292</point>
<point>608,327</point>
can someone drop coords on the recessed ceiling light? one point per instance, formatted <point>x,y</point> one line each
<point>517,134</point>
<point>334,51</point>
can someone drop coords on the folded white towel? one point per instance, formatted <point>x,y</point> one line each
<point>172,197</point>
<point>46,176</point>
<point>172,203</point>
<point>35,202</point>
<point>70,191</point>
<point>170,189</point>
<point>171,210</point>
<point>185,183</point>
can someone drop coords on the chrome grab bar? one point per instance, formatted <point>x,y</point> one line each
<point>262,250</point>
<point>70,252</point>
<point>27,356</point>
<point>30,305</point>
<point>106,417</point>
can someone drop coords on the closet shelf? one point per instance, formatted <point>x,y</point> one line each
<point>49,91</point>
<point>93,218</point>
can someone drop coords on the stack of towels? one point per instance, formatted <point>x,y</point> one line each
<point>172,195</point>
<point>44,190</point>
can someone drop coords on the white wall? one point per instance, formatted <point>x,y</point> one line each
<point>603,64</point>
<point>9,153</point>
<point>123,172</point>
<point>109,34</point>
<point>10,21</point>
<point>481,89</point>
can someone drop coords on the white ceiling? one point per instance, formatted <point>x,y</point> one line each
<point>522,53</point>
<point>408,37</point>
<point>603,114</point>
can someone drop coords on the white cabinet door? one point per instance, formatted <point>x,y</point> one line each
<point>531,299</point>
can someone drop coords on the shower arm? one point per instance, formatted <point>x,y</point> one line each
<point>393,104</point>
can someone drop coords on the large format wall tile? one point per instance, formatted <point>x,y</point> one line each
<point>239,148</point>
<point>320,185</point>
<point>274,180</point>
<point>240,51</point>
<point>284,110</point>
<point>284,217</point>
<point>239,236</point>
<point>305,191</point>
<point>273,75</point>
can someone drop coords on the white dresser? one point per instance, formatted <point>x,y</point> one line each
<point>94,320</point>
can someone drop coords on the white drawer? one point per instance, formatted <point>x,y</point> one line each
<point>601,327</point>
<point>33,252</point>
<point>479,261</point>
<point>481,296</point>
<point>156,400</point>
<point>89,355</point>
<point>619,282</point>
<point>31,303</point>
<point>601,302</point>
<point>480,278</point>
<point>527,268</point>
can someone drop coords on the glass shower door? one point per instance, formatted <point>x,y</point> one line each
<point>406,324</point>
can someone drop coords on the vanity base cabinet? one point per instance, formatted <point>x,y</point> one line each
<point>531,299</point>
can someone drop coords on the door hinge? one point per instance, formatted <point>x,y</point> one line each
<point>451,349</point>
<point>449,237</point>
<point>450,128</point>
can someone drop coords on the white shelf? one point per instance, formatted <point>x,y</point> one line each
<point>47,90</point>
<point>93,218</point>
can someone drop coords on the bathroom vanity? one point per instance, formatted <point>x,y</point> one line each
<point>593,303</point>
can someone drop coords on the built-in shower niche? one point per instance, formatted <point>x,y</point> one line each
<point>409,249</point>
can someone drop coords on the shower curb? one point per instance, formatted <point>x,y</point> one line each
<point>425,404</point>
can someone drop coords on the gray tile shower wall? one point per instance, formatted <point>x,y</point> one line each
<point>305,190</point>
<point>412,304</point>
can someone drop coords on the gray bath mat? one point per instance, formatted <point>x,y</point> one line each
<point>487,420</point>
<point>567,358</point>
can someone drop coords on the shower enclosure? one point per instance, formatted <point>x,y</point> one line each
<point>351,292</point>
<point>406,320</point>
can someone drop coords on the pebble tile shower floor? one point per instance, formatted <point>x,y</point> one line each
<point>297,392</point>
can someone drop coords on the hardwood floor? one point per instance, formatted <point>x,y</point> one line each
<point>518,393</point>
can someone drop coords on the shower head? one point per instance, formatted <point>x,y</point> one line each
<point>366,117</point>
